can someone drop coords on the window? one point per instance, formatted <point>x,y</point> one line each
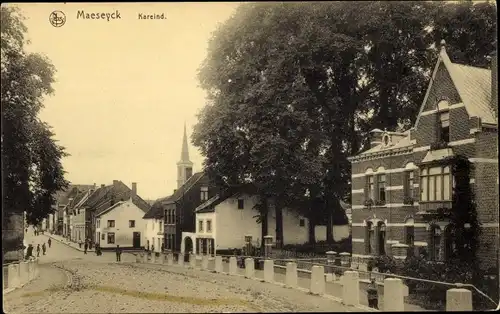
<point>241,204</point>
<point>111,223</point>
<point>436,243</point>
<point>369,229</point>
<point>98,223</point>
<point>381,187</point>
<point>302,222</point>
<point>371,188</point>
<point>409,183</point>
<point>410,235</point>
<point>444,132</point>
<point>161,225</point>
<point>189,173</point>
<point>209,225</point>
<point>103,236</point>
<point>200,225</point>
<point>131,223</point>
<point>204,193</point>
<point>435,184</point>
<point>381,239</point>
<point>111,238</point>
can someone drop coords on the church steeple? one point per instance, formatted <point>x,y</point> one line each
<point>184,166</point>
<point>185,150</point>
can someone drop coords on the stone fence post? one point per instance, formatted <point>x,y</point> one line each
<point>458,299</point>
<point>350,288</point>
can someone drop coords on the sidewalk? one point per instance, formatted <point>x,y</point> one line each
<point>67,242</point>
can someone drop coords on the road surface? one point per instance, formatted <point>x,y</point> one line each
<point>72,282</point>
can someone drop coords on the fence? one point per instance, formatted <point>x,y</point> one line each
<point>340,282</point>
<point>16,275</point>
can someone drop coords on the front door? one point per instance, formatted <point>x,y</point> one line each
<point>136,240</point>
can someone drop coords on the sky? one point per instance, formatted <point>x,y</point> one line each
<point>125,87</point>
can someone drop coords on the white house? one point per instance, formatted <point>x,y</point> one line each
<point>121,224</point>
<point>222,224</point>
<point>154,222</point>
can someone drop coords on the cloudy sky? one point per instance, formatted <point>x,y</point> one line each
<point>125,87</point>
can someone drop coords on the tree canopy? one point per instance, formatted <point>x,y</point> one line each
<point>31,158</point>
<point>293,89</point>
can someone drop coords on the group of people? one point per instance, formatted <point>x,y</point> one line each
<point>42,248</point>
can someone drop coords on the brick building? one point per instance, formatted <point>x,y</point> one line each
<point>399,183</point>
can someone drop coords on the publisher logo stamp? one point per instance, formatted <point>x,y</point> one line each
<point>57,18</point>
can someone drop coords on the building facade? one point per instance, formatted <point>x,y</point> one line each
<point>402,183</point>
<point>223,222</point>
<point>120,224</point>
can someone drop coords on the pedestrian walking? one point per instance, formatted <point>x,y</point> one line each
<point>118,253</point>
<point>44,248</point>
<point>97,249</point>
<point>372,294</point>
<point>80,243</point>
<point>29,251</point>
<point>49,241</point>
<point>38,250</point>
<point>85,246</point>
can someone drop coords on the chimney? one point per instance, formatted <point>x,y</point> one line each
<point>103,185</point>
<point>175,190</point>
<point>375,137</point>
<point>115,182</point>
<point>494,83</point>
<point>134,190</point>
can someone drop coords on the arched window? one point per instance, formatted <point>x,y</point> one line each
<point>444,121</point>
<point>381,238</point>
<point>409,232</point>
<point>368,237</point>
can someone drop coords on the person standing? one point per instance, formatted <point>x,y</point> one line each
<point>29,251</point>
<point>372,294</point>
<point>85,246</point>
<point>44,248</point>
<point>38,250</point>
<point>118,253</point>
<point>49,241</point>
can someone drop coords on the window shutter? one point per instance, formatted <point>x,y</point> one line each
<point>376,235</point>
<point>367,239</point>
<point>367,182</point>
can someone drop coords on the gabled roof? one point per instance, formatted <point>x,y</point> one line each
<point>184,188</point>
<point>156,211</point>
<point>102,198</point>
<point>209,205</point>
<point>473,85</point>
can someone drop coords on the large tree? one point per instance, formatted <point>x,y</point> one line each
<point>31,158</point>
<point>295,87</point>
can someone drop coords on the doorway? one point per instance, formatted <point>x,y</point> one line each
<point>136,240</point>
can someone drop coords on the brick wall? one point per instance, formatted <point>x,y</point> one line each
<point>442,88</point>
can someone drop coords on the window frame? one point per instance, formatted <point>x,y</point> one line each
<point>409,183</point>
<point>209,225</point>
<point>426,178</point>
<point>111,223</point>
<point>241,203</point>
<point>370,183</point>
<point>302,222</point>
<point>108,238</point>
<point>200,225</point>
<point>204,193</point>
<point>131,223</point>
<point>381,184</point>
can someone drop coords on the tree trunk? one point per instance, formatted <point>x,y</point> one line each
<point>264,222</point>
<point>311,230</point>
<point>329,227</point>
<point>12,236</point>
<point>279,224</point>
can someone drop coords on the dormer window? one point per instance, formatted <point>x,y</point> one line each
<point>444,121</point>
<point>386,140</point>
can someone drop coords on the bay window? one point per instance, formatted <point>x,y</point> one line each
<point>435,184</point>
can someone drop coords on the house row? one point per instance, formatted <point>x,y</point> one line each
<point>403,183</point>
<point>109,215</point>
